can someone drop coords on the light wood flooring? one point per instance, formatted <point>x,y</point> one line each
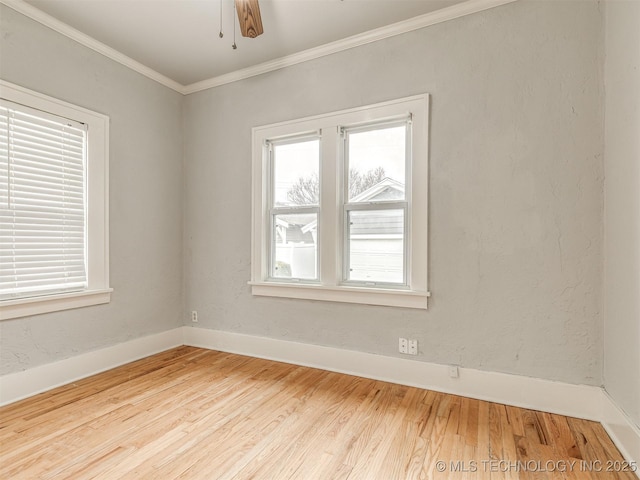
<point>200,414</point>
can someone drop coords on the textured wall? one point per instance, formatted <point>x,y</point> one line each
<point>622,206</point>
<point>145,203</point>
<point>516,192</point>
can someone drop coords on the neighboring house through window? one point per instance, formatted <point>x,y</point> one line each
<point>53,204</point>
<point>340,206</point>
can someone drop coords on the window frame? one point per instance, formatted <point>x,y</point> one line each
<point>97,206</point>
<point>332,241</point>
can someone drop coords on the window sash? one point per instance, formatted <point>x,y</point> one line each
<point>42,203</point>
<point>350,205</point>
<point>346,243</point>
<point>346,131</point>
<point>273,244</point>
<point>275,211</point>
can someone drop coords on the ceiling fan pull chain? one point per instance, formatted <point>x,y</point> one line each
<point>221,34</point>
<point>235,19</point>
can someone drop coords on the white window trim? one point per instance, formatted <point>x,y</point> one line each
<point>330,255</point>
<point>98,291</point>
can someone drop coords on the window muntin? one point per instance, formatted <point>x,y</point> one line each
<point>295,200</point>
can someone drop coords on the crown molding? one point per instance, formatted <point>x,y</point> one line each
<point>47,20</point>
<point>439,16</point>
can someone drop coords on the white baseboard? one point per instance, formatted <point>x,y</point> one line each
<point>19,385</point>
<point>624,433</point>
<point>581,401</point>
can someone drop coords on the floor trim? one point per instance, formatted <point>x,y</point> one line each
<point>624,433</point>
<point>582,401</point>
<point>19,385</point>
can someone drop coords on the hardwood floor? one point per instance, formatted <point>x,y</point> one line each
<point>200,414</point>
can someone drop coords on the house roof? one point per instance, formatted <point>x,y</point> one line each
<point>385,189</point>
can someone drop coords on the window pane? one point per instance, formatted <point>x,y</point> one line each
<point>376,246</point>
<point>296,168</point>
<point>295,246</point>
<point>377,160</point>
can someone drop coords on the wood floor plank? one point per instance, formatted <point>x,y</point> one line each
<point>435,438</point>
<point>113,422</point>
<point>233,417</point>
<point>199,414</point>
<point>484,440</point>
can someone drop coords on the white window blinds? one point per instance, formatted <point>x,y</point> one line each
<point>42,203</point>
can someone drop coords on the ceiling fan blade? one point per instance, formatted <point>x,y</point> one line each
<point>249,18</point>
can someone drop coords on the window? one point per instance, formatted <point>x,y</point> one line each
<point>294,204</point>
<point>340,206</point>
<point>376,158</point>
<point>53,204</point>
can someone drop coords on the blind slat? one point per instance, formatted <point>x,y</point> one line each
<point>30,159</point>
<point>50,130</point>
<point>32,195</point>
<point>37,139</point>
<point>35,176</point>
<point>40,218</point>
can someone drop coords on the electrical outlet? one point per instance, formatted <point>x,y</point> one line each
<point>408,346</point>
<point>453,371</point>
<point>194,316</point>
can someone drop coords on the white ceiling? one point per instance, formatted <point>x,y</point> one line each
<point>179,38</point>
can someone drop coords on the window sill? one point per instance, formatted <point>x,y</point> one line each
<point>26,307</point>
<point>345,294</point>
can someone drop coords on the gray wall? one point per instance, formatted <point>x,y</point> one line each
<point>622,206</point>
<point>516,192</point>
<point>516,199</point>
<point>146,195</point>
